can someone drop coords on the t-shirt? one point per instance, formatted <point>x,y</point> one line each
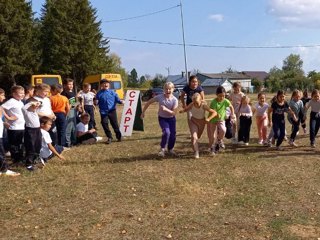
<point>314,105</point>
<point>71,97</point>
<point>59,103</point>
<point>278,111</point>
<point>235,99</point>
<point>45,107</point>
<point>45,152</point>
<point>198,113</point>
<point>245,110</point>
<point>31,118</point>
<point>87,98</point>
<point>189,92</point>
<point>170,103</point>
<point>261,110</point>
<point>82,127</point>
<point>14,107</point>
<point>296,107</point>
<point>220,108</point>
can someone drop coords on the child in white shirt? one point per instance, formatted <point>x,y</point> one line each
<point>84,134</point>
<point>47,149</point>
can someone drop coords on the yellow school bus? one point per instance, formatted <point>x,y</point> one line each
<point>47,79</point>
<point>115,82</point>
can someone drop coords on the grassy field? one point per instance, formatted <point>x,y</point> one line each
<point>124,191</point>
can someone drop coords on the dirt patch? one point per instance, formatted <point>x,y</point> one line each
<point>305,232</point>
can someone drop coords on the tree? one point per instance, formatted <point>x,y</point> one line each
<point>158,81</point>
<point>292,66</point>
<point>115,67</point>
<point>133,78</point>
<point>16,38</point>
<point>257,84</point>
<point>274,80</point>
<point>71,39</point>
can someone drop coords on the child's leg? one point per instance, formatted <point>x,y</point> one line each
<point>86,137</point>
<point>264,129</point>
<point>15,138</point>
<point>3,163</point>
<point>282,133</point>
<point>211,128</point>
<point>241,128</point>
<point>194,136</point>
<point>259,122</point>
<point>61,128</point>
<point>317,126</point>
<point>295,129</point>
<point>164,125</point>
<point>312,127</point>
<point>246,130</point>
<point>90,110</point>
<point>172,135</point>
<point>221,130</point>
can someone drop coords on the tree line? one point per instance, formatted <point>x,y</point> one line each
<point>66,39</point>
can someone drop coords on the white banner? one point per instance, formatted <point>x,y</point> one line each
<point>129,112</point>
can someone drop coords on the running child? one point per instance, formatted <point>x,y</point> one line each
<point>235,98</point>
<point>168,106</point>
<point>305,99</point>
<point>297,107</point>
<point>278,108</point>
<point>198,107</point>
<point>261,111</point>
<point>314,104</point>
<point>245,121</point>
<point>217,124</point>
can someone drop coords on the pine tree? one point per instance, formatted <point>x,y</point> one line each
<point>72,42</point>
<point>16,39</point>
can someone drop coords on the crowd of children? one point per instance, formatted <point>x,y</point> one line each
<point>40,125</point>
<point>231,116</point>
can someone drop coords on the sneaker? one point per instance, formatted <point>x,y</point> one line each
<point>297,133</point>
<point>292,143</point>
<point>172,153</point>
<point>279,148</point>
<point>305,131</point>
<point>10,173</point>
<point>212,152</point>
<point>99,138</point>
<point>66,148</point>
<point>313,145</point>
<point>196,155</point>
<point>285,138</point>
<point>7,154</point>
<point>222,144</point>
<point>89,141</point>
<point>241,143</point>
<point>161,153</point>
<point>265,143</point>
<point>32,168</point>
<point>260,142</point>
<point>109,141</point>
<point>246,144</point>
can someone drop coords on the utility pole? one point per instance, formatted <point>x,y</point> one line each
<point>184,44</point>
<point>168,70</point>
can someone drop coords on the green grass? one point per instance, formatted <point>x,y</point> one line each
<point>124,191</point>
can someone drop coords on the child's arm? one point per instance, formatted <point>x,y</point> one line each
<point>212,112</point>
<point>292,114</point>
<point>152,100</point>
<point>55,152</point>
<point>79,133</point>
<point>232,114</point>
<point>182,99</point>
<point>11,118</point>
<point>172,112</point>
<point>270,110</point>
<point>186,109</point>
<point>67,109</point>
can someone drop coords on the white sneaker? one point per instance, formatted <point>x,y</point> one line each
<point>196,155</point>
<point>161,153</point>
<point>305,131</point>
<point>99,138</point>
<point>292,143</point>
<point>247,144</point>
<point>260,142</point>
<point>8,154</point>
<point>222,144</point>
<point>10,173</point>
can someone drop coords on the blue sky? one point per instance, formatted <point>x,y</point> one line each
<point>210,22</point>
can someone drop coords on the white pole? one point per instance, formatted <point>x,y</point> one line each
<point>184,44</point>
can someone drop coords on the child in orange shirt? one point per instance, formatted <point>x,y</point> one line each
<point>60,107</point>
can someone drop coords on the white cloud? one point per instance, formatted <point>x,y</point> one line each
<point>216,17</point>
<point>300,13</point>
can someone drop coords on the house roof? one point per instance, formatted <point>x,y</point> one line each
<point>177,79</point>
<point>260,75</point>
<point>214,82</point>
<point>230,76</point>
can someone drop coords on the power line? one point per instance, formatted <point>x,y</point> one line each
<point>216,46</point>
<point>140,16</point>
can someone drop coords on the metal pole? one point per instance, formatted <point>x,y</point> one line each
<point>184,44</point>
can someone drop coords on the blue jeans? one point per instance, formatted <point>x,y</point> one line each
<point>314,126</point>
<point>61,128</point>
<point>168,126</point>
<point>279,130</point>
<point>71,138</point>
